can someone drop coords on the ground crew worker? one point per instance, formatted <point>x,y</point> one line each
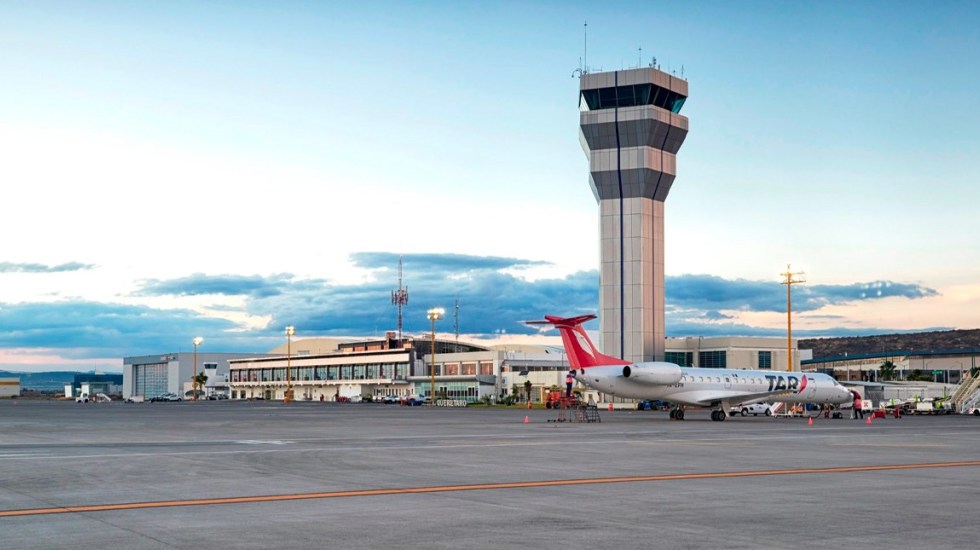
<point>858,411</point>
<point>569,381</point>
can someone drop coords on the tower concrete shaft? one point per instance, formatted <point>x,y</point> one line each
<point>631,130</point>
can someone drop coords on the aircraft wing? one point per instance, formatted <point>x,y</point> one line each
<point>709,397</point>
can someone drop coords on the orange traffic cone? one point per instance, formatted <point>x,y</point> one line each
<point>809,421</point>
<point>527,419</point>
<point>529,405</point>
<point>868,421</point>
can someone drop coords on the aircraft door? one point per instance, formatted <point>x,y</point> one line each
<point>728,382</point>
<point>810,392</point>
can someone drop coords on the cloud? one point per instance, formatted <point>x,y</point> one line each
<point>456,263</point>
<point>10,267</point>
<point>710,292</point>
<point>492,297</point>
<point>489,302</point>
<point>83,329</point>
<point>199,284</point>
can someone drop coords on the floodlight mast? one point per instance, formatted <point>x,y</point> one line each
<point>434,314</point>
<point>197,342</point>
<point>290,330</point>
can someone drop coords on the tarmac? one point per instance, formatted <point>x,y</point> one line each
<point>271,475</point>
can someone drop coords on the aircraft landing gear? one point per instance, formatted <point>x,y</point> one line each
<point>718,416</point>
<point>677,414</point>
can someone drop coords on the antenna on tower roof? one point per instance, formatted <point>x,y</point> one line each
<point>585,54</point>
<point>639,57</point>
<point>583,62</point>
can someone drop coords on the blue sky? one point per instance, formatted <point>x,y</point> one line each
<point>227,168</point>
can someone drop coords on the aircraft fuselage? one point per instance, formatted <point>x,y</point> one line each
<point>703,386</point>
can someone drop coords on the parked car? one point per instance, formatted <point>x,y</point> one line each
<point>217,396</point>
<point>166,397</point>
<point>755,409</point>
<point>390,399</point>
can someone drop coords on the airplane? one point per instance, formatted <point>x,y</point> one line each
<point>715,388</point>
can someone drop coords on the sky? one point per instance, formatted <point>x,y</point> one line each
<point>224,169</point>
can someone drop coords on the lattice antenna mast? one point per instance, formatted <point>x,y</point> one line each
<point>400,298</point>
<point>790,279</point>
<point>456,323</point>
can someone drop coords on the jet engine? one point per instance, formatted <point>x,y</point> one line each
<point>653,373</point>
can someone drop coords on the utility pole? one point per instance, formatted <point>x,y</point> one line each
<point>790,279</point>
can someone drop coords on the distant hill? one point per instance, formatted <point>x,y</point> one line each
<point>916,342</point>
<point>42,381</point>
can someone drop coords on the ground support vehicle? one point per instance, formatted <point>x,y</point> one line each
<point>931,407</point>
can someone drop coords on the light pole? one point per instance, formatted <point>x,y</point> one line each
<point>197,342</point>
<point>290,330</point>
<point>434,314</point>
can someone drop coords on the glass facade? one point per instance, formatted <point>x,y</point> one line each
<point>631,96</point>
<point>713,359</point>
<point>452,390</point>
<point>150,380</point>
<point>765,359</point>
<point>375,371</point>
<point>682,358</point>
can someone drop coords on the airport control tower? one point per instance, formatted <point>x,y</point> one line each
<point>631,131</point>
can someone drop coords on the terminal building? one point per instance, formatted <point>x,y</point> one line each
<point>373,368</point>
<point>940,366</point>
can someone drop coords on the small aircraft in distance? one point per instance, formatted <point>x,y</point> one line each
<point>714,388</point>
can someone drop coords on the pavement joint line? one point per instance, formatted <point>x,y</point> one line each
<point>280,448</point>
<point>474,487</point>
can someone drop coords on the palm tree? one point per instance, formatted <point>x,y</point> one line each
<point>887,370</point>
<point>199,380</point>
<point>527,389</point>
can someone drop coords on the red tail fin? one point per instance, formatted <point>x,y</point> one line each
<point>581,353</point>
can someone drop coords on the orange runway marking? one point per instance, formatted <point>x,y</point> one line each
<point>475,487</point>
